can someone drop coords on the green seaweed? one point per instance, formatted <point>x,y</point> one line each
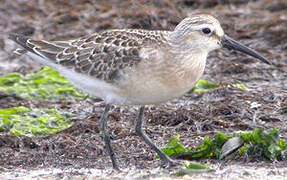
<point>22,121</point>
<point>44,84</point>
<point>258,143</point>
<point>203,86</point>
<point>263,143</point>
<point>173,147</point>
<point>193,168</point>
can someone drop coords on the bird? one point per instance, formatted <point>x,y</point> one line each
<point>135,66</point>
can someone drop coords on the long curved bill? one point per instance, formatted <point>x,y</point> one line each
<point>230,43</point>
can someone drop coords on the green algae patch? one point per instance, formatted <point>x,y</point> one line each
<point>45,84</point>
<point>263,144</point>
<point>203,86</point>
<point>193,168</point>
<point>173,147</point>
<point>22,121</point>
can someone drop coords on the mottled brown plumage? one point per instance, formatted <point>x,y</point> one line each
<point>101,55</point>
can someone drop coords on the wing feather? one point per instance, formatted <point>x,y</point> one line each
<point>102,55</point>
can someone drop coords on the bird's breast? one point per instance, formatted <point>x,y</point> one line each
<point>157,83</point>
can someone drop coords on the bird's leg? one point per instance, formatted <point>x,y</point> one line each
<point>166,160</point>
<point>106,136</point>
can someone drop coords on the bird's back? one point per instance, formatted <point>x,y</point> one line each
<point>100,55</point>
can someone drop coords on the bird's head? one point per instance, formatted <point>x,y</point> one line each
<point>204,32</point>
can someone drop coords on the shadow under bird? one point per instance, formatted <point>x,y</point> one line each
<point>135,66</point>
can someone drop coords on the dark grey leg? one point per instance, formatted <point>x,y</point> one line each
<point>167,161</point>
<point>106,136</point>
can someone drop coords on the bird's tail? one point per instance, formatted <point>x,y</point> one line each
<point>48,52</point>
<point>42,48</point>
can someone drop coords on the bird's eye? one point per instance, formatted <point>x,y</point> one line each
<point>206,30</point>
